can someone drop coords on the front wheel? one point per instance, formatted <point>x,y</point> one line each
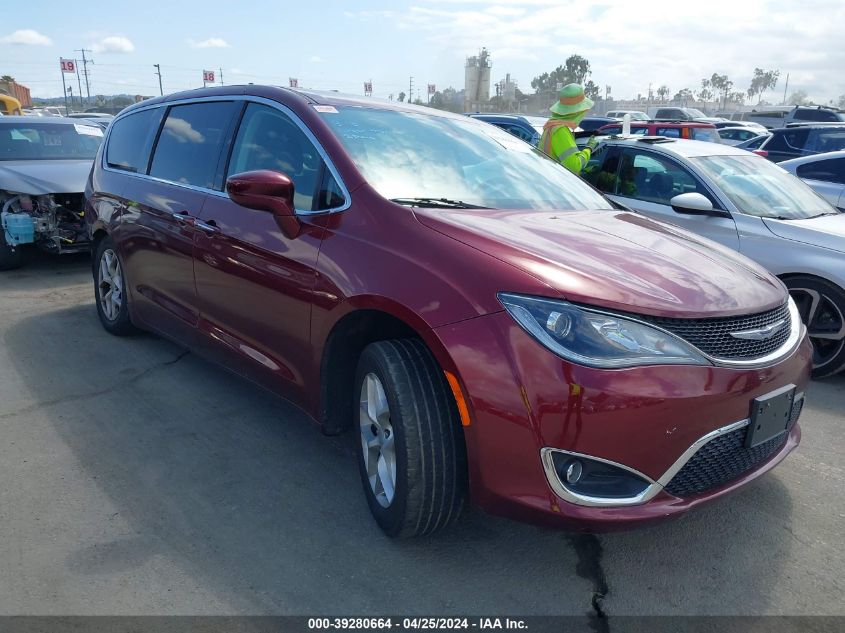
<point>408,438</point>
<point>821,305</point>
<point>110,290</point>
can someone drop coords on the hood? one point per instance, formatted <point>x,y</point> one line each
<point>827,231</point>
<point>37,177</point>
<point>618,260</point>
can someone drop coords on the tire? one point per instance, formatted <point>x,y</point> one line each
<point>113,309</point>
<point>821,305</point>
<point>11,257</point>
<point>429,479</point>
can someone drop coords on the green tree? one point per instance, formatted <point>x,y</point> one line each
<point>761,81</point>
<point>683,96</point>
<point>799,97</point>
<point>705,94</point>
<point>737,97</point>
<point>592,90</point>
<point>402,96</point>
<point>722,85</point>
<point>8,78</point>
<point>574,71</point>
<point>663,92</point>
<point>840,103</point>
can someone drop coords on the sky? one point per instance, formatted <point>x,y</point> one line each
<point>338,45</point>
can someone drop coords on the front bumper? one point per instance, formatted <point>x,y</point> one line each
<point>524,399</point>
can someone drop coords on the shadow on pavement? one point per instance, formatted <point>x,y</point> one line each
<point>253,502</point>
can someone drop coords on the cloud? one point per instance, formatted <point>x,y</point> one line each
<point>113,44</point>
<point>211,42</point>
<point>26,37</point>
<point>315,59</point>
<point>626,49</point>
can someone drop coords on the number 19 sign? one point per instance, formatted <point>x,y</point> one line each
<point>68,65</point>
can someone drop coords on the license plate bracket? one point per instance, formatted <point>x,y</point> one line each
<point>769,415</point>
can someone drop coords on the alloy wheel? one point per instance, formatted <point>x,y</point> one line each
<point>825,324</point>
<point>110,283</point>
<point>378,440</point>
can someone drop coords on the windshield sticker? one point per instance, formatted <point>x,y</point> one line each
<point>326,109</point>
<point>90,130</point>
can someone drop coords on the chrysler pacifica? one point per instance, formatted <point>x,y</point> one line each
<point>488,326</point>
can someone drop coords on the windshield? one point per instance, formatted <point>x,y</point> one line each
<point>414,155</point>
<point>759,187</point>
<point>698,114</point>
<point>49,141</point>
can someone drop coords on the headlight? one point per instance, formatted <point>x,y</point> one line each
<point>597,339</point>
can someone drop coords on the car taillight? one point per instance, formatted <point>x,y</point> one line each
<point>760,152</point>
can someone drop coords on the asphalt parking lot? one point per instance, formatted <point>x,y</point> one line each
<point>139,479</point>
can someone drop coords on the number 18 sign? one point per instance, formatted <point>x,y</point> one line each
<point>208,76</point>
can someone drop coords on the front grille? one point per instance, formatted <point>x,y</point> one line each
<point>726,458</point>
<point>713,336</point>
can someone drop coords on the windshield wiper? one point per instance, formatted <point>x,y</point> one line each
<point>445,203</point>
<point>809,217</point>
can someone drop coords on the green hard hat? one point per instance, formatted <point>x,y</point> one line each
<point>571,99</point>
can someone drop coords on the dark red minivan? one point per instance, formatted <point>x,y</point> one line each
<point>488,326</point>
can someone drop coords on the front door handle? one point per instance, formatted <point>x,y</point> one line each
<point>209,227</point>
<point>184,218</point>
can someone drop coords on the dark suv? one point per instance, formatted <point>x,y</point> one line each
<point>795,141</point>
<point>483,323</point>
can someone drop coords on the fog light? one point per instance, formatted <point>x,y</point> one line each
<point>573,471</point>
<point>596,478</point>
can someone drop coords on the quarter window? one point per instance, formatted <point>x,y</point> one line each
<point>791,140</point>
<point>269,139</point>
<point>830,170</point>
<point>131,139</point>
<point>188,149</point>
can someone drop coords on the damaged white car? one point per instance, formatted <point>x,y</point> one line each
<point>44,164</point>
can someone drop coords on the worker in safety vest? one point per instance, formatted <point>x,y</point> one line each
<point>557,140</point>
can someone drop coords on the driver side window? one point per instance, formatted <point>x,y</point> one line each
<point>269,139</point>
<point>652,178</point>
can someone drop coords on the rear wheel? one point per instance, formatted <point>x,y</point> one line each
<point>110,290</point>
<point>821,305</point>
<point>10,256</point>
<point>408,439</point>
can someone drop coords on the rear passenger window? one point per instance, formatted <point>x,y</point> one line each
<point>189,146</point>
<point>671,132</point>
<point>269,139</point>
<point>815,115</point>
<point>131,139</point>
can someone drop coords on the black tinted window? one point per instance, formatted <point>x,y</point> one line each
<point>269,139</point>
<point>788,140</point>
<point>831,170</point>
<point>131,139</point>
<point>831,140</point>
<point>815,115</point>
<point>189,146</point>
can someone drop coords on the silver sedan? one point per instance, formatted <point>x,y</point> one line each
<point>825,173</point>
<point>748,204</point>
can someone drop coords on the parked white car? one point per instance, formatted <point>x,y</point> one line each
<point>748,204</point>
<point>636,115</point>
<point>825,173</point>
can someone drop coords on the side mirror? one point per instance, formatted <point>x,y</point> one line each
<point>266,190</point>
<point>694,203</point>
